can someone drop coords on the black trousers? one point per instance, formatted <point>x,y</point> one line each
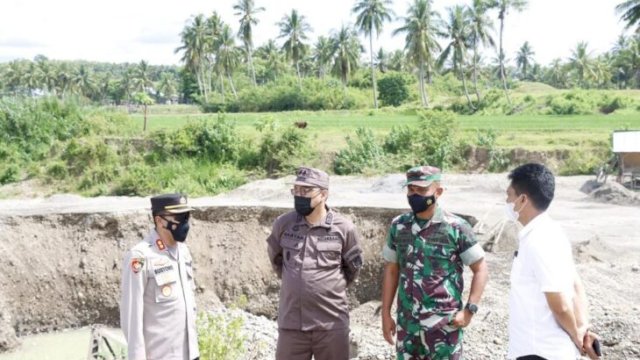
<point>531,357</point>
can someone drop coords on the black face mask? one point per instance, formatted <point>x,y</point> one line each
<point>421,203</point>
<point>302,205</point>
<point>178,230</point>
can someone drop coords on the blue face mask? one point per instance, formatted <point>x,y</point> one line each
<point>421,203</point>
<point>179,230</point>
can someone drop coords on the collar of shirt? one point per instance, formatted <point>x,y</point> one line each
<point>437,218</point>
<point>538,221</point>
<point>326,222</point>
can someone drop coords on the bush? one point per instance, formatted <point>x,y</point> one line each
<point>279,151</point>
<point>607,105</point>
<point>498,158</point>
<point>399,139</point>
<point>393,90</point>
<point>436,135</point>
<point>216,141</point>
<point>220,337</point>
<point>570,103</point>
<point>9,173</point>
<point>286,95</point>
<point>361,153</point>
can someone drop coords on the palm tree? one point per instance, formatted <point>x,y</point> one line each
<point>458,31</point>
<point>142,77</point>
<point>382,60</point>
<point>482,25</point>
<point>524,59</point>
<point>347,50</point>
<point>420,42</point>
<point>556,74</point>
<point>397,61</point>
<point>630,11</point>
<point>14,76</point>
<point>503,7</point>
<point>323,52</point>
<point>371,15</point>
<point>196,44</point>
<point>581,61</point>
<point>247,11</point>
<point>273,59</point>
<point>227,55</point>
<point>167,85</point>
<point>294,28</point>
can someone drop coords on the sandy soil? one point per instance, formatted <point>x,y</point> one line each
<point>67,248</point>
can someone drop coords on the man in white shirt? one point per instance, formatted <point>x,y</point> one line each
<point>547,302</point>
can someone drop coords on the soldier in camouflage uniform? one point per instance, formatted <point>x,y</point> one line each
<point>424,254</point>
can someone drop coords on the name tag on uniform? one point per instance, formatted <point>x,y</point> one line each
<point>404,237</point>
<point>165,274</point>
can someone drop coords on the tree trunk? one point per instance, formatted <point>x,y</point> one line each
<point>298,72</point>
<point>423,91</point>
<point>475,71</point>
<point>501,56</point>
<point>373,73</point>
<point>233,88</point>
<point>251,68</point>
<point>222,87</point>
<point>466,91</point>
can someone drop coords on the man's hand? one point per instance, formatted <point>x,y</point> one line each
<point>462,318</point>
<point>589,338</point>
<point>388,328</point>
<point>578,340</point>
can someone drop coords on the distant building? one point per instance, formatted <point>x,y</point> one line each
<point>626,146</point>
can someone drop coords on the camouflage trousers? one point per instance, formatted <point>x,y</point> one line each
<point>444,343</point>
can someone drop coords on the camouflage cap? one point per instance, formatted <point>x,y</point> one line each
<point>423,175</point>
<point>306,176</point>
<point>170,203</point>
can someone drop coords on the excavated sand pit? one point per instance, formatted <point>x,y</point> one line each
<point>62,257</point>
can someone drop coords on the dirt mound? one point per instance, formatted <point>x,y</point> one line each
<point>610,192</point>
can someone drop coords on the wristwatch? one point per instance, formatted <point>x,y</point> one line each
<point>473,308</point>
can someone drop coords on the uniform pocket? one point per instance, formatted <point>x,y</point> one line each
<point>329,254</point>
<point>166,279</point>
<point>291,249</point>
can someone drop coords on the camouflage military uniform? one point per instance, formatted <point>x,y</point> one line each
<point>430,256</point>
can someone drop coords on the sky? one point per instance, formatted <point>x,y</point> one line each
<point>134,30</point>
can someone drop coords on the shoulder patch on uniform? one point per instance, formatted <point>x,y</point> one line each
<point>160,245</point>
<point>137,264</point>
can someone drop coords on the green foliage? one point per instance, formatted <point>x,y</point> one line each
<point>220,337</point>
<point>361,153</point>
<point>583,162</point>
<point>9,173</point>
<point>32,126</point>
<point>436,136</point>
<point>400,138</point>
<point>498,158</point>
<point>287,95</point>
<point>608,104</point>
<point>393,90</point>
<point>214,140</point>
<point>571,103</point>
<point>278,151</point>
<point>431,142</point>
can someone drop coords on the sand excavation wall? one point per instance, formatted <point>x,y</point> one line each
<point>63,270</point>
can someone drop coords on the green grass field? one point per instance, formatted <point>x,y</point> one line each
<point>329,128</point>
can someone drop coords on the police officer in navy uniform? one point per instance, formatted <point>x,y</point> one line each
<point>157,308</point>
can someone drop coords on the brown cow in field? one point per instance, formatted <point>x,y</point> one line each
<point>300,124</point>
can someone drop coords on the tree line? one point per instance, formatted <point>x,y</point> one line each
<point>218,61</point>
